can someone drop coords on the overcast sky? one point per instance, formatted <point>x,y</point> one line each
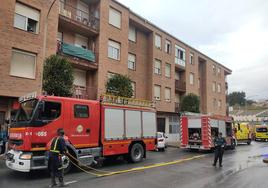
<point>233,32</point>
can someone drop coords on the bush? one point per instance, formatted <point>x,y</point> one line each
<point>190,103</point>
<point>119,85</point>
<point>58,76</point>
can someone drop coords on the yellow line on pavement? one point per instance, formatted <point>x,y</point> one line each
<point>151,166</point>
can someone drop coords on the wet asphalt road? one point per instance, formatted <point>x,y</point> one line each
<point>242,167</point>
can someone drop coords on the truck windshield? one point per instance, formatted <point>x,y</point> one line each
<point>26,110</point>
<point>261,130</point>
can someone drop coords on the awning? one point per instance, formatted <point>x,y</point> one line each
<point>77,52</point>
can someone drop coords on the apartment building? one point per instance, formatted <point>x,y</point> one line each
<point>102,38</point>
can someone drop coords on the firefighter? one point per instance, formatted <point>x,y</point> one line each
<point>57,149</point>
<point>219,143</point>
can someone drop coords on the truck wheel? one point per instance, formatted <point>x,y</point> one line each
<point>249,142</point>
<point>136,153</point>
<point>66,163</point>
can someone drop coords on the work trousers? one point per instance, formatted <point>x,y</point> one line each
<point>218,155</point>
<point>55,166</point>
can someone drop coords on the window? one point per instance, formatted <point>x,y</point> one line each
<point>199,84</point>
<point>191,58</point>
<point>131,61</point>
<point>157,92</point>
<point>110,75</point>
<point>26,18</point>
<point>179,56</point>
<point>214,86</point>
<point>168,47</point>
<point>23,64</point>
<point>219,88</point>
<point>219,70</point>
<point>81,111</point>
<point>167,94</point>
<point>132,33</point>
<point>114,50</point>
<point>133,85</point>
<point>219,103</point>
<point>157,41</point>
<point>60,36</point>
<point>52,110</point>
<point>168,70</point>
<point>192,78</point>
<point>157,67</point>
<point>81,41</point>
<point>177,75</point>
<point>214,69</point>
<point>80,78</point>
<point>214,103</point>
<point>115,18</point>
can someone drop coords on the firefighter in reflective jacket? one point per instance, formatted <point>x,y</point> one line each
<point>219,143</point>
<point>57,149</point>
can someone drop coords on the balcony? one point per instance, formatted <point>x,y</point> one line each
<point>85,92</point>
<point>180,86</point>
<point>78,20</point>
<point>80,57</point>
<point>179,63</point>
<point>177,107</point>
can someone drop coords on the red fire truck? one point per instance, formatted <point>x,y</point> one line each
<point>198,131</point>
<point>114,126</point>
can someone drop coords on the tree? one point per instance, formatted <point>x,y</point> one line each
<point>190,103</point>
<point>119,85</point>
<point>237,98</point>
<point>58,76</point>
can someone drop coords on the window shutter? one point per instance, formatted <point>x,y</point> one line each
<point>115,17</point>
<point>23,64</point>
<point>114,44</point>
<point>132,33</point>
<point>157,90</point>
<point>27,12</point>
<point>131,57</point>
<point>80,78</point>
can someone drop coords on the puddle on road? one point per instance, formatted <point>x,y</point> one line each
<point>250,162</point>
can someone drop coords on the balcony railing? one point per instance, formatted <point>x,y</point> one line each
<point>179,62</point>
<point>180,85</point>
<point>75,51</point>
<point>84,92</point>
<point>83,17</point>
<point>177,107</point>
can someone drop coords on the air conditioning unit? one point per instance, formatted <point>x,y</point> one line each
<point>167,100</point>
<point>157,98</point>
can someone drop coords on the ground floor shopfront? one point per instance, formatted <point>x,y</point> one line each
<point>169,123</point>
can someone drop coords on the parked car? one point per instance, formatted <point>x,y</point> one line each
<point>161,141</point>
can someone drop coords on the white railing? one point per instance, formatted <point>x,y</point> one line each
<point>179,62</point>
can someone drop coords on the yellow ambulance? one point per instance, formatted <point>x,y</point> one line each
<point>261,133</point>
<point>242,133</point>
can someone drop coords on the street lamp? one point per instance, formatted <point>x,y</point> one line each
<point>45,43</point>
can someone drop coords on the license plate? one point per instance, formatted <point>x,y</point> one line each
<point>10,164</point>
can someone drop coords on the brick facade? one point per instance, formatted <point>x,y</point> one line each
<point>144,49</point>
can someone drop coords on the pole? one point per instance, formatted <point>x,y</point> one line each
<point>45,43</point>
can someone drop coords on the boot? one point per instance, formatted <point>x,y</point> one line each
<point>53,183</point>
<point>62,184</point>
